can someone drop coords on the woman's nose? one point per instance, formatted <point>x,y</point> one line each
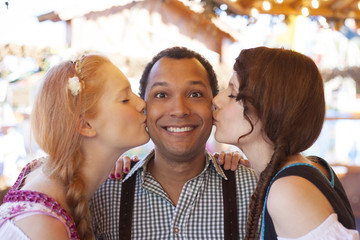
<point>140,104</point>
<point>214,105</point>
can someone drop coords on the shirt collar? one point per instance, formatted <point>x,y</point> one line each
<point>142,164</point>
<point>217,167</point>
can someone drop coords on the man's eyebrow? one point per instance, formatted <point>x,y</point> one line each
<point>164,84</point>
<point>195,82</point>
<point>161,84</point>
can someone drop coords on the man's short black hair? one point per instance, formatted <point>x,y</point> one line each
<point>179,53</point>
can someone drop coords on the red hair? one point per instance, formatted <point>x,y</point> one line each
<point>55,121</point>
<point>284,89</point>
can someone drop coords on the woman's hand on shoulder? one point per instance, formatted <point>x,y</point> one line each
<point>296,206</point>
<point>231,160</point>
<point>122,165</point>
<point>42,227</point>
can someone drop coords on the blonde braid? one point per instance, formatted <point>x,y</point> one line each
<point>76,197</point>
<point>70,90</point>
<point>78,204</point>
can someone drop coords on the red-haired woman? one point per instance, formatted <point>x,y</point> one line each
<point>273,110</point>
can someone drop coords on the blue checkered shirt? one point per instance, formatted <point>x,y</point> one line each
<point>198,214</point>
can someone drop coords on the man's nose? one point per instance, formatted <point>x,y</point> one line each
<point>180,107</point>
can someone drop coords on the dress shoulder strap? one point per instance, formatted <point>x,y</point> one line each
<point>331,188</point>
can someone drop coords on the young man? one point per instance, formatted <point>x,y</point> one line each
<point>179,186</point>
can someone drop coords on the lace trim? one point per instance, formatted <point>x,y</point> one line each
<point>15,195</point>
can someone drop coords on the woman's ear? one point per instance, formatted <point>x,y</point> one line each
<point>86,129</point>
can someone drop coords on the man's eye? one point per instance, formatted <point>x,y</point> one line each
<point>160,95</point>
<point>125,101</point>
<point>231,96</point>
<point>195,94</point>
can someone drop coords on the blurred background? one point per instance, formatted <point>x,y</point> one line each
<point>37,34</point>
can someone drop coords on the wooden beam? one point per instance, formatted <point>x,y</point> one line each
<point>340,5</point>
<point>296,5</point>
<point>245,4</point>
<point>52,16</point>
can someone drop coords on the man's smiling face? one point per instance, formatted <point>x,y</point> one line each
<point>178,97</point>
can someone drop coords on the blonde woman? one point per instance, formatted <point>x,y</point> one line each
<point>84,118</point>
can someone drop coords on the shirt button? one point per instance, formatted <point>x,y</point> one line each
<point>176,230</point>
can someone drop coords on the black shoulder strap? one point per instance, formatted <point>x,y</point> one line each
<point>126,207</point>
<point>231,226</point>
<point>336,196</point>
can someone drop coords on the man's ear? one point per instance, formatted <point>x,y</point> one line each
<point>86,129</point>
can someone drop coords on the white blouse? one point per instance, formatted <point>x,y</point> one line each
<point>331,228</point>
<point>9,231</point>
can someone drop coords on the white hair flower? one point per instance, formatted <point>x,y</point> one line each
<point>74,85</point>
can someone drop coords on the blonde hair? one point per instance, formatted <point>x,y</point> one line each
<point>55,121</point>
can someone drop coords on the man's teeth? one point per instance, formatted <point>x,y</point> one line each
<point>183,129</point>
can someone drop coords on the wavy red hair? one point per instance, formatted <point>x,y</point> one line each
<point>284,89</point>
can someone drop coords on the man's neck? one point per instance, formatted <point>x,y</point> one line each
<point>172,173</point>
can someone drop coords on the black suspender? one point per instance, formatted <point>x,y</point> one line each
<point>126,207</point>
<point>231,225</point>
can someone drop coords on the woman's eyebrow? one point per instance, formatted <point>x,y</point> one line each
<point>121,90</point>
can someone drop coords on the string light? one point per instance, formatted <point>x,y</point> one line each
<point>305,11</point>
<point>359,5</point>
<point>279,1</point>
<point>323,22</point>
<point>315,4</point>
<point>254,12</point>
<point>223,7</point>
<point>266,5</point>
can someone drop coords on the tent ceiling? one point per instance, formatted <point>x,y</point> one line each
<point>331,9</point>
